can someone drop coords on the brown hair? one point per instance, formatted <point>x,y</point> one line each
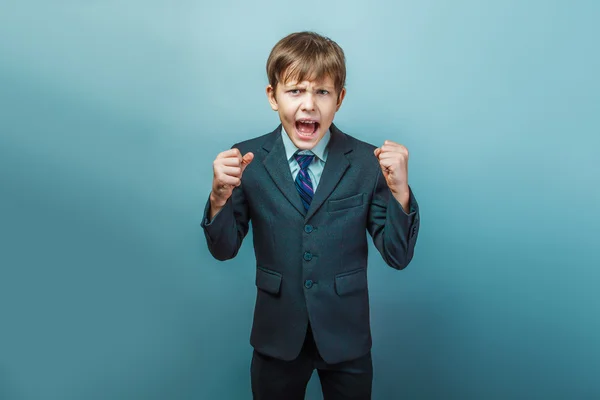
<point>306,55</point>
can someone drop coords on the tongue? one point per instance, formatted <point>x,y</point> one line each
<point>306,127</point>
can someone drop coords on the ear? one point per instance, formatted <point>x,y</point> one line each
<point>340,99</point>
<point>271,97</point>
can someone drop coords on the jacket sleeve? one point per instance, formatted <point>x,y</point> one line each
<point>394,232</point>
<point>228,228</point>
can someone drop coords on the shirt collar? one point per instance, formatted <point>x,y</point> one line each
<point>320,150</point>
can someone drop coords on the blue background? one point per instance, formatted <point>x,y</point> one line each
<point>111,114</point>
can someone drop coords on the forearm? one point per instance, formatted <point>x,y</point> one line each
<point>403,198</point>
<point>215,206</point>
<point>225,227</point>
<point>399,233</point>
<point>394,225</point>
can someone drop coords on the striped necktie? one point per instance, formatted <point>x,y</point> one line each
<point>303,182</point>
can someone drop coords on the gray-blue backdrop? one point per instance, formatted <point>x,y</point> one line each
<point>111,114</point>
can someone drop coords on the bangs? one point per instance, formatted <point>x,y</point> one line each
<point>306,56</point>
<point>312,68</point>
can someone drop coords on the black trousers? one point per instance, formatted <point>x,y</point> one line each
<point>274,379</point>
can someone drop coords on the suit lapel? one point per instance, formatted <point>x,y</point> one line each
<point>278,167</point>
<point>335,167</point>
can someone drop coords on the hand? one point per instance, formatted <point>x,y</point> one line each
<point>228,168</point>
<point>393,159</point>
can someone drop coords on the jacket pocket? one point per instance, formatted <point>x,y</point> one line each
<point>351,282</point>
<point>348,202</point>
<point>267,280</point>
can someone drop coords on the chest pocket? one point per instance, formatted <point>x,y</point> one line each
<point>344,204</point>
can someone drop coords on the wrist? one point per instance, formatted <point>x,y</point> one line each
<point>401,191</point>
<point>402,196</point>
<point>216,204</point>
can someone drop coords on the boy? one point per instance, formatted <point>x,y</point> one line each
<point>311,192</point>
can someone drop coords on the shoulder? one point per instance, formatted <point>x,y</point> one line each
<point>353,140</point>
<point>255,143</point>
<point>361,150</point>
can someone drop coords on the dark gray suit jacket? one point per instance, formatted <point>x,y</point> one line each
<point>312,266</point>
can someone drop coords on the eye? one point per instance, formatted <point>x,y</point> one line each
<point>294,91</point>
<point>323,92</point>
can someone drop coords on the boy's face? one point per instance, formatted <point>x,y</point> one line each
<point>306,109</point>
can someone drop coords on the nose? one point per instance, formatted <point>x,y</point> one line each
<point>308,103</point>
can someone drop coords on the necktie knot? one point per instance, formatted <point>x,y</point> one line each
<point>304,160</point>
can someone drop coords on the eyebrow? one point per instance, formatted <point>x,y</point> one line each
<point>302,85</point>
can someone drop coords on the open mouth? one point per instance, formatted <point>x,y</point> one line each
<point>306,127</point>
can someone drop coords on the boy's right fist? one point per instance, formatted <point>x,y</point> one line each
<point>228,168</point>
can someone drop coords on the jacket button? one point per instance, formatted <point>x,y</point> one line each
<point>308,228</point>
<point>308,283</point>
<point>307,256</point>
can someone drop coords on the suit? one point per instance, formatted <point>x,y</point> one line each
<point>311,266</point>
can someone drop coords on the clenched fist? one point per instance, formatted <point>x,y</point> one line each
<point>393,159</point>
<point>228,168</point>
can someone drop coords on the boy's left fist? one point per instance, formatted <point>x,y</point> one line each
<point>393,159</point>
